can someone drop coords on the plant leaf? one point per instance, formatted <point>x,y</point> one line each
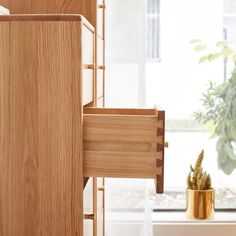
<point>214,135</point>
<point>223,43</point>
<point>210,126</point>
<point>214,56</point>
<point>200,47</point>
<point>203,59</point>
<point>195,41</point>
<point>227,52</point>
<point>227,164</point>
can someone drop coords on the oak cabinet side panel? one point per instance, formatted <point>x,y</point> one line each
<point>39,103</point>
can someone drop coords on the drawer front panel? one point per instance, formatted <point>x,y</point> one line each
<point>124,143</point>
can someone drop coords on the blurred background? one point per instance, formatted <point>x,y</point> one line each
<point>150,61</point>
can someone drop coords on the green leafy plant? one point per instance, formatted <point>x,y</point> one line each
<point>219,108</point>
<point>197,178</point>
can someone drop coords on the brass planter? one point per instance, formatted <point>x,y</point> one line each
<point>200,204</point>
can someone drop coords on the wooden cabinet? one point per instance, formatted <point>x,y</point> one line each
<point>94,11</point>
<point>50,69</point>
<point>45,6</point>
<point>41,130</point>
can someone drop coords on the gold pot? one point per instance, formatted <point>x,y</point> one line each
<point>200,204</point>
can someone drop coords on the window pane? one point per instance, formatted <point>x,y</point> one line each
<point>153,29</point>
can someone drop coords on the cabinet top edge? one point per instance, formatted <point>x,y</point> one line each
<point>46,17</point>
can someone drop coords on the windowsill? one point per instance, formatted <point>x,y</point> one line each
<point>180,217</point>
<point>168,218</point>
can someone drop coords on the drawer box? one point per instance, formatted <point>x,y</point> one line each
<point>124,143</point>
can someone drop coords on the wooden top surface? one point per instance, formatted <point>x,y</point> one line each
<point>47,17</point>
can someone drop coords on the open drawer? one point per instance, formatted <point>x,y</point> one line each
<point>124,143</point>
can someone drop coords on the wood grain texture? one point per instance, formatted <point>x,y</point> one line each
<point>121,164</point>
<point>120,111</point>
<point>41,158</point>
<point>47,17</point>
<point>44,6</point>
<point>161,164</point>
<point>88,8</point>
<point>122,143</point>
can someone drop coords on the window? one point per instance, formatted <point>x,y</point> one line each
<point>153,26</point>
<point>177,82</point>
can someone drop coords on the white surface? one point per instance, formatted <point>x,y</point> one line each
<point>180,218</point>
<point>194,230</point>
<point>169,218</point>
<point>4,11</point>
<point>171,224</point>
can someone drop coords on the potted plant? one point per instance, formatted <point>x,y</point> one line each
<point>219,106</point>
<point>200,194</point>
